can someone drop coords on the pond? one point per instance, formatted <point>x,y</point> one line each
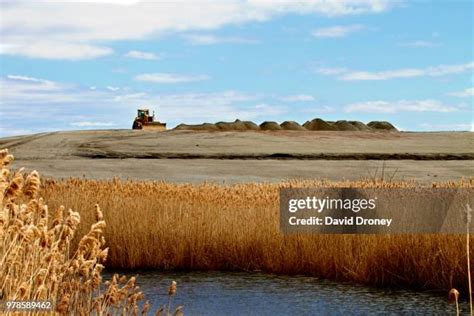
<point>224,293</point>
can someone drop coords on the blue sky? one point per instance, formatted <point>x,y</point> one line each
<point>90,65</point>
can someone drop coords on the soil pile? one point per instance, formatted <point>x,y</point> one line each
<point>270,126</point>
<point>198,127</point>
<point>360,126</point>
<point>382,125</point>
<point>237,125</point>
<point>292,126</point>
<point>251,126</point>
<point>345,126</point>
<point>319,125</point>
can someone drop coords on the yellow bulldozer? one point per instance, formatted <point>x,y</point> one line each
<point>146,121</point>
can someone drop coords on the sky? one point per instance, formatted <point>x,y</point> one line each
<point>68,65</point>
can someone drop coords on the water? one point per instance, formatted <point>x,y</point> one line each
<point>223,293</point>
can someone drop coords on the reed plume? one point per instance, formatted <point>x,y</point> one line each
<point>171,292</point>
<point>454,298</point>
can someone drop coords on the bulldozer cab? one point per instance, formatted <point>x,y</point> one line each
<point>142,113</point>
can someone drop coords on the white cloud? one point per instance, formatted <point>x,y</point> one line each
<point>420,43</point>
<point>297,98</point>
<point>73,29</point>
<point>209,39</point>
<point>53,50</point>
<point>142,55</point>
<point>18,85</point>
<point>434,71</point>
<point>383,75</point>
<point>469,92</point>
<point>92,124</point>
<point>26,78</point>
<point>337,31</point>
<point>19,88</point>
<point>111,88</point>
<point>170,78</point>
<point>400,106</point>
<point>326,7</point>
<point>26,82</point>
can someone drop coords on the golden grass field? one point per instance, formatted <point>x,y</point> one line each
<point>211,227</point>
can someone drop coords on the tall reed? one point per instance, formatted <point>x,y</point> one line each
<point>39,261</point>
<point>468,223</point>
<point>236,228</point>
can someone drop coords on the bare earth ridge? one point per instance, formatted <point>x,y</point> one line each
<point>229,157</point>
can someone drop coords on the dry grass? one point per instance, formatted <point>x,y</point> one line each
<point>39,262</point>
<point>210,227</point>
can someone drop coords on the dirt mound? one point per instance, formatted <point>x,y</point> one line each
<point>270,126</point>
<point>345,126</point>
<point>198,127</point>
<point>292,126</point>
<point>231,126</point>
<point>237,125</point>
<point>251,126</point>
<point>360,126</point>
<point>319,125</point>
<point>382,125</point>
